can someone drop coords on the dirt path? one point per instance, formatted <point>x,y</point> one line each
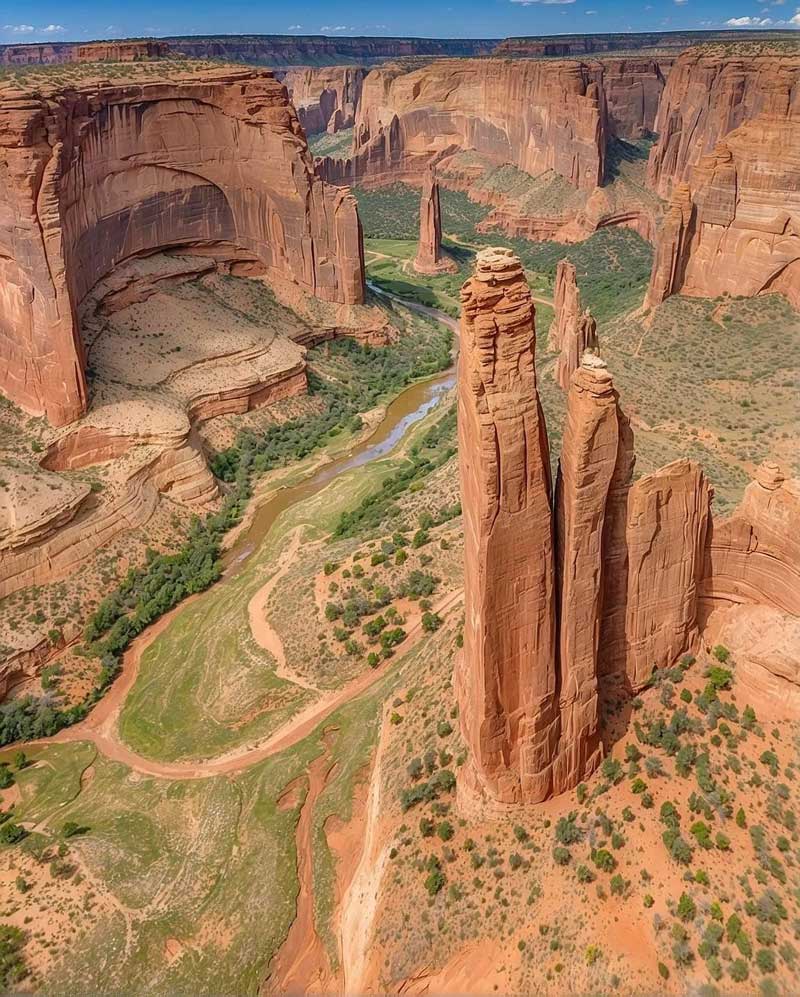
<point>360,901</point>
<point>301,965</point>
<point>263,632</point>
<point>100,726</point>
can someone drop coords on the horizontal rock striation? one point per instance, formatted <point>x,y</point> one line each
<point>728,159</point>
<point>537,116</point>
<point>93,177</point>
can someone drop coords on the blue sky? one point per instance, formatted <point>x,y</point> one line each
<point>81,19</point>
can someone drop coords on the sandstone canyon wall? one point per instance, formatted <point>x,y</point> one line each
<point>728,159</point>
<point>325,99</point>
<point>93,177</point>
<point>535,115</point>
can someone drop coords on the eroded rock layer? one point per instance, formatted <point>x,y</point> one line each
<point>326,99</point>
<point>92,177</point>
<point>728,158</point>
<point>507,683</point>
<point>536,116</point>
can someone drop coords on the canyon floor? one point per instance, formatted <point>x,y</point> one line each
<point>270,799</point>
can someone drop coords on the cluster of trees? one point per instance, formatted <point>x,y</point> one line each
<point>149,591</point>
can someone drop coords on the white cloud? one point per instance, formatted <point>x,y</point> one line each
<point>795,21</point>
<point>680,3</point>
<point>294,27</point>
<point>588,13</point>
<point>53,29</point>
<point>748,22</point>
<point>19,29</point>
<point>338,27</point>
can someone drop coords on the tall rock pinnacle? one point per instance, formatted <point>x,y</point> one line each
<point>573,331</point>
<point>506,683</point>
<point>586,468</point>
<point>429,258</point>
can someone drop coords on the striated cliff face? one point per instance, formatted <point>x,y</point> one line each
<point>537,116</point>
<point>728,158</point>
<point>93,177</point>
<point>507,682</point>
<point>734,226</point>
<point>325,99</point>
<point>709,95</point>
<point>651,618</point>
<point>633,89</point>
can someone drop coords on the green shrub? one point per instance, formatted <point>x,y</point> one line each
<point>687,909</point>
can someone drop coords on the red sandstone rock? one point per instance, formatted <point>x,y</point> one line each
<point>573,331</point>
<point>728,158</point>
<point>92,177</point>
<point>506,684</point>
<point>588,457</point>
<point>734,227</point>
<point>429,258</point>
<point>327,98</point>
<point>753,556</point>
<point>667,521</point>
<point>536,115</point>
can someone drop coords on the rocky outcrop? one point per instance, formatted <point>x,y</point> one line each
<point>734,227</point>
<point>100,175</point>
<point>537,116</point>
<point>49,526</point>
<point>710,94</point>
<point>619,599</point>
<point>572,331</point>
<point>585,470</point>
<point>728,158</point>
<point>327,99</point>
<point>506,682</point>
<point>566,44</point>
<point>753,556</point>
<point>653,619</point>
<point>430,258</point>
<point>61,52</point>
<point>750,593</point>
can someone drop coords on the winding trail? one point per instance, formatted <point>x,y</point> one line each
<point>264,634</point>
<point>101,726</point>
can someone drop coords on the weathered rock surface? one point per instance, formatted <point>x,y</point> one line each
<point>430,258</point>
<point>573,331</point>
<point>326,99</point>
<point>667,515</point>
<point>734,227</point>
<point>93,177</point>
<point>709,94</point>
<point>753,556</point>
<point>535,115</point>
<point>728,158</point>
<point>506,683</point>
<point>585,470</point>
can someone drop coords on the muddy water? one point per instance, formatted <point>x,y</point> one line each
<point>410,406</point>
